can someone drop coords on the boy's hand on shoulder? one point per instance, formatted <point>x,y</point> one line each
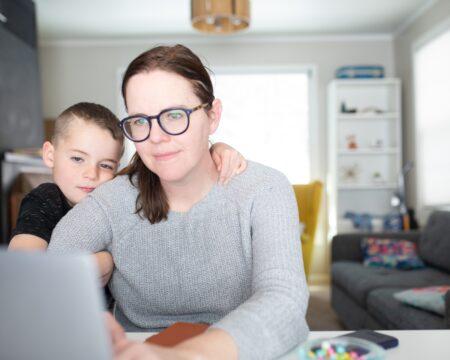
<point>229,161</point>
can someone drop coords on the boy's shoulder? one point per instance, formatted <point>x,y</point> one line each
<point>46,191</point>
<point>46,200</point>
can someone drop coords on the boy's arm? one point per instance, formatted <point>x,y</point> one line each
<point>30,242</point>
<point>27,242</point>
<point>105,265</point>
<point>40,211</point>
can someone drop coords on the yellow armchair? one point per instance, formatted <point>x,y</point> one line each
<point>309,198</point>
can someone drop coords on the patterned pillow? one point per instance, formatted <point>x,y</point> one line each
<point>428,298</point>
<point>396,254</point>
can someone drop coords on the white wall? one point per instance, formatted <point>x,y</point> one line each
<point>74,72</point>
<point>433,18</point>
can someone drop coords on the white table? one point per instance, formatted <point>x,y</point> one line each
<point>413,344</point>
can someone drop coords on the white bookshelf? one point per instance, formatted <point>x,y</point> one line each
<point>364,148</point>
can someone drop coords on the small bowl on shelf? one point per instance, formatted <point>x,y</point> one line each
<point>340,348</point>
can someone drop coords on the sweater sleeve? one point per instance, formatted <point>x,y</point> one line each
<point>85,228</point>
<point>272,320</point>
<point>36,217</point>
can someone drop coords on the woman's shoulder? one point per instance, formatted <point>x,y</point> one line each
<point>258,177</point>
<point>118,189</point>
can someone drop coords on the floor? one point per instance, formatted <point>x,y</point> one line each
<point>320,315</point>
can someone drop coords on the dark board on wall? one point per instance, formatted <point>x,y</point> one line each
<point>21,122</point>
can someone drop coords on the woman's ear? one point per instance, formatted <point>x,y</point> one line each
<point>214,115</point>
<point>48,154</point>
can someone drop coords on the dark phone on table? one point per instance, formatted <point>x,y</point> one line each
<point>385,341</point>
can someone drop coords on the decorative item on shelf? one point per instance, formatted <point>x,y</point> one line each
<point>351,142</point>
<point>377,177</point>
<point>346,110</point>
<point>361,221</point>
<point>350,173</point>
<point>376,144</point>
<point>220,16</point>
<point>360,72</point>
<point>371,222</point>
<point>392,222</point>
<point>371,110</point>
<point>413,224</point>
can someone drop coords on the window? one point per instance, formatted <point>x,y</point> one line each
<point>432,108</point>
<point>266,117</point>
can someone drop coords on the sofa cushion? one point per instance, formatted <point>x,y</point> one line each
<point>398,253</point>
<point>434,244</point>
<point>350,313</point>
<point>431,298</point>
<point>358,280</point>
<point>382,305</point>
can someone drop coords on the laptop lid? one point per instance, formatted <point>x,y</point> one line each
<point>51,307</point>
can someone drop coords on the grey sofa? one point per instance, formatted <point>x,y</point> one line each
<point>363,296</point>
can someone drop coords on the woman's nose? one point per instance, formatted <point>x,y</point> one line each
<point>157,134</point>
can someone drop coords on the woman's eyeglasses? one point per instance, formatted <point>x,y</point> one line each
<point>174,121</point>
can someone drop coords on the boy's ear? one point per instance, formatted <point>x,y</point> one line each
<point>48,154</point>
<point>214,115</point>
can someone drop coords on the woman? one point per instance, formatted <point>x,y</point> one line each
<point>186,249</point>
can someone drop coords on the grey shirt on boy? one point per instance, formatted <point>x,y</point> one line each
<point>233,260</point>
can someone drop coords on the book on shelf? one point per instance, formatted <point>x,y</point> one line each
<point>24,156</point>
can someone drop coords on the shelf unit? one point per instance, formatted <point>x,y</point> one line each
<point>364,148</point>
<point>368,151</point>
<point>384,116</point>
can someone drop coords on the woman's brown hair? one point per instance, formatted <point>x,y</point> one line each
<point>152,202</point>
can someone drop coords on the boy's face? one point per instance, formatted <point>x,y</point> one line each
<point>82,159</point>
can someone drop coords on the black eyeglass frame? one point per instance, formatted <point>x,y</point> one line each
<point>149,118</point>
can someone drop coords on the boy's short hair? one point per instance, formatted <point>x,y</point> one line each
<point>90,113</point>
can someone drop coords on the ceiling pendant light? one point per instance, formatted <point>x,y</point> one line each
<point>220,16</point>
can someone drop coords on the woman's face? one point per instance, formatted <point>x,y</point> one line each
<point>172,157</point>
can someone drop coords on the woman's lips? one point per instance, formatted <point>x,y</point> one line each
<point>165,156</point>
<point>86,189</point>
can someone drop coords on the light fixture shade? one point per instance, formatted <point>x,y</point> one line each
<point>220,16</point>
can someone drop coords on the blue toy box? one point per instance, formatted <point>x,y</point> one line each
<point>360,72</point>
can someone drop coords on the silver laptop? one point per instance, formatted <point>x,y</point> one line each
<point>51,307</point>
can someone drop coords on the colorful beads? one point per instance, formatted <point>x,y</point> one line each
<point>328,351</point>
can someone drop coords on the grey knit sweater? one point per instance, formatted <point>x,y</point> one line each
<point>233,260</point>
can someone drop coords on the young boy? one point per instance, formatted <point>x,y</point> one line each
<point>84,153</point>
